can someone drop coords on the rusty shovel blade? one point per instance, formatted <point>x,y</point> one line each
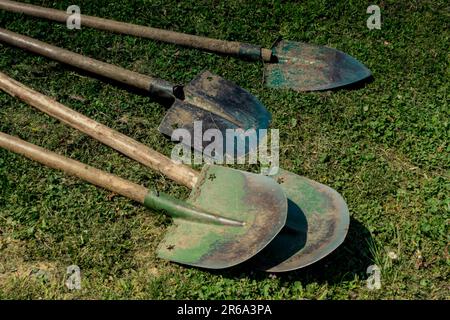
<point>212,102</point>
<point>317,223</point>
<point>254,199</point>
<point>305,67</point>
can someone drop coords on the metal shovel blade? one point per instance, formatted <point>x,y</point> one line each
<point>318,220</point>
<point>256,200</point>
<point>218,104</point>
<point>306,67</point>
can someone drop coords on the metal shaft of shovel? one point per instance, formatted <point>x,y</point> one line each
<point>207,232</point>
<point>160,201</point>
<point>208,99</point>
<point>294,65</point>
<point>317,219</point>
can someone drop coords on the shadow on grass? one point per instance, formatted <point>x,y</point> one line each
<point>348,260</point>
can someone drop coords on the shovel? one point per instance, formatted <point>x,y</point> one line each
<point>229,217</point>
<point>289,64</point>
<point>317,217</point>
<point>215,102</point>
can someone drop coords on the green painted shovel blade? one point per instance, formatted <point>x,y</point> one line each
<point>317,223</point>
<point>305,67</point>
<point>256,200</point>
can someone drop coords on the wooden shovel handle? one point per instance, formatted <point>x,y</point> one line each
<point>180,173</point>
<point>74,168</point>
<point>214,45</point>
<point>152,85</point>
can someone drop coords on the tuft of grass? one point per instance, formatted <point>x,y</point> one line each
<point>384,147</point>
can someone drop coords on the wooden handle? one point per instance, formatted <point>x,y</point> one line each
<point>74,168</point>
<point>214,45</point>
<point>133,149</point>
<point>152,85</point>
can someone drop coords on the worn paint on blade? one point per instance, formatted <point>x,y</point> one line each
<point>218,104</point>
<point>317,223</point>
<point>254,199</point>
<point>306,67</point>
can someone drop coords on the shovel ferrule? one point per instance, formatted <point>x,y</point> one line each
<point>252,52</point>
<point>180,209</point>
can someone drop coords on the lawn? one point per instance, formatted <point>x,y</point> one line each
<point>383,146</point>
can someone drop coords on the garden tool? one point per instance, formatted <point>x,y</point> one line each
<point>317,217</point>
<point>208,99</point>
<point>289,64</point>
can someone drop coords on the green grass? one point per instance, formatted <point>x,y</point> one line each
<point>384,147</point>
